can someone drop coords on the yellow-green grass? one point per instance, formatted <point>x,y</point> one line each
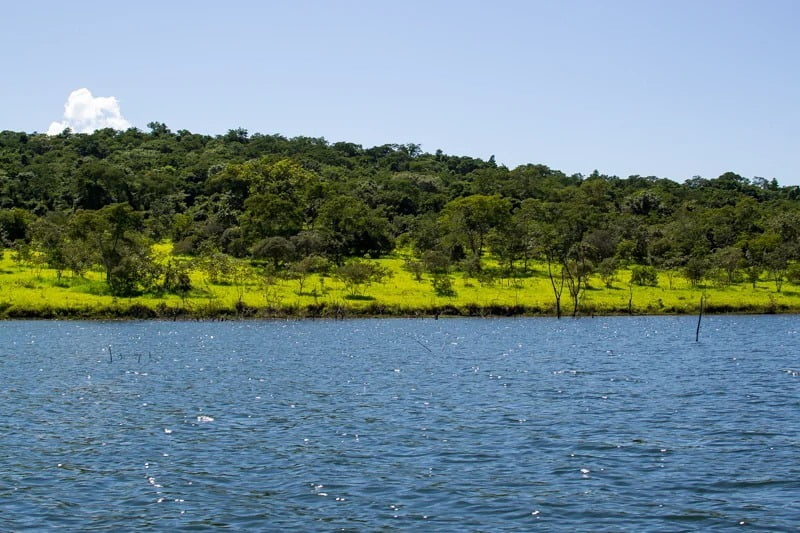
<point>28,291</point>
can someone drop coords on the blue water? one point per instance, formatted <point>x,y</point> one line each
<point>465,425</point>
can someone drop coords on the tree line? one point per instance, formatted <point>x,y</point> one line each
<point>300,205</point>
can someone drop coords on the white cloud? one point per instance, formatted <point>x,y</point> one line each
<point>85,113</point>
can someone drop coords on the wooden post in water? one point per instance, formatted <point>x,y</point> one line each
<point>110,356</point>
<point>699,318</point>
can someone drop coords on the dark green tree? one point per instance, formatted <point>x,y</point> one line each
<point>471,219</point>
<point>113,235</point>
<point>350,228</point>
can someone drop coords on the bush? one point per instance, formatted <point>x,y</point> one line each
<point>443,285</point>
<point>414,267</point>
<point>487,277</point>
<point>436,262</point>
<point>132,274</point>
<point>644,276</point>
<point>607,269</point>
<point>793,273</point>
<point>471,266</point>
<point>176,278</point>
<point>301,270</point>
<point>695,270</point>
<point>187,246</point>
<point>357,274</point>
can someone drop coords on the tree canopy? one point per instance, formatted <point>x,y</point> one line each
<point>102,198</point>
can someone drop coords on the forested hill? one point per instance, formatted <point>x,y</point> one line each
<point>98,199</point>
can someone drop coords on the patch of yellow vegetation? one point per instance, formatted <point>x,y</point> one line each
<point>35,291</point>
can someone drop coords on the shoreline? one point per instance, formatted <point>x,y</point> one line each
<point>138,311</point>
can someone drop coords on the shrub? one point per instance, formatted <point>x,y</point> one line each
<point>695,270</point>
<point>607,269</point>
<point>357,274</point>
<point>414,267</point>
<point>187,246</point>
<point>301,270</point>
<point>644,276</point>
<point>443,285</point>
<point>793,273</point>
<point>176,278</point>
<point>436,262</point>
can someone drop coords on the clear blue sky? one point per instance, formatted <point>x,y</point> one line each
<point>667,88</point>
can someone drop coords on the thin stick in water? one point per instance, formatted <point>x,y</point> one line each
<point>420,343</point>
<point>699,318</point>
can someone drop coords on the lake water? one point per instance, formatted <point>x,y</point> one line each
<point>456,424</point>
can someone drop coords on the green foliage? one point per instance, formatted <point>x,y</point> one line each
<point>607,270</point>
<point>177,277</point>
<point>14,225</point>
<point>645,276</point>
<point>443,286</point>
<point>357,274</point>
<point>131,273</point>
<point>727,261</point>
<point>305,267</point>
<point>112,236</point>
<point>414,267</point>
<point>276,249</point>
<point>793,273</point>
<point>350,228</point>
<point>695,270</point>
<point>83,202</point>
<point>22,254</point>
<point>222,269</point>
<point>470,219</point>
<point>436,262</point>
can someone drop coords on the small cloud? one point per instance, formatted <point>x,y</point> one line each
<point>85,113</point>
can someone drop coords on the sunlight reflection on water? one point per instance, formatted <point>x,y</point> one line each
<point>509,424</point>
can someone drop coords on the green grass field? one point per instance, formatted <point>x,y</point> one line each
<point>36,292</point>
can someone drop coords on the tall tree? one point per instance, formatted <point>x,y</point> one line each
<point>470,219</point>
<point>114,236</point>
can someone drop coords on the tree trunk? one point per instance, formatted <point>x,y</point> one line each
<point>558,288</point>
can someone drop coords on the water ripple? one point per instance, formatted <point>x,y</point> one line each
<point>486,425</point>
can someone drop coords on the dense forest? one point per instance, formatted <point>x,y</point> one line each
<point>296,205</point>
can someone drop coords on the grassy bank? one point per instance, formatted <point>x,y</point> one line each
<point>35,292</point>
